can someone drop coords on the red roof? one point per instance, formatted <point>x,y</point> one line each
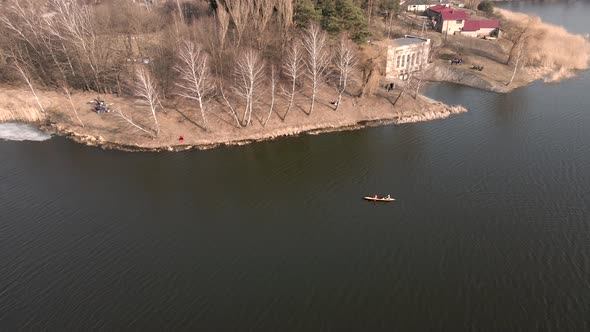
<point>439,8</point>
<point>452,14</point>
<point>475,25</point>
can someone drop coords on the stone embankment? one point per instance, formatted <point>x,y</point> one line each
<point>438,73</point>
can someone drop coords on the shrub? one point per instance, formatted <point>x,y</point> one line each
<point>486,6</point>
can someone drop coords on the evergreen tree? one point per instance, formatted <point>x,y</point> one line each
<point>344,15</point>
<point>388,6</point>
<point>305,13</point>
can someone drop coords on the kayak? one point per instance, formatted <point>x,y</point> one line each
<point>379,199</point>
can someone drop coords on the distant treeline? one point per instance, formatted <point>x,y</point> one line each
<point>89,44</point>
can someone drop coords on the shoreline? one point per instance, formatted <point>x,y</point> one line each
<point>429,110</point>
<point>442,111</point>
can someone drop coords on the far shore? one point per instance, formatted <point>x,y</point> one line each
<point>181,126</point>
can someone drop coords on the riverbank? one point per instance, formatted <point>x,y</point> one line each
<point>180,119</point>
<point>545,52</point>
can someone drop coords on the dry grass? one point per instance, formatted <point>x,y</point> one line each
<point>18,107</point>
<point>23,114</point>
<point>551,46</point>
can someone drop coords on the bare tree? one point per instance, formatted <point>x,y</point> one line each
<point>222,25</point>
<point>27,30</point>
<point>48,37</point>
<point>180,14</point>
<point>261,14</point>
<point>147,4</point>
<point>239,10</point>
<point>518,57</point>
<point>78,29</point>
<point>292,69</point>
<point>248,73</point>
<point>402,92</point>
<point>418,87</point>
<point>273,85</point>
<point>22,70</point>
<point>64,86</point>
<point>146,89</point>
<point>516,33</point>
<point>345,62</point>
<point>231,111</point>
<point>130,121</point>
<point>285,11</point>
<point>370,7</point>
<point>389,19</point>
<point>314,42</point>
<point>195,77</point>
<point>519,40</point>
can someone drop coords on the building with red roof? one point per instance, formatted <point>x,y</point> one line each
<point>447,20</point>
<point>478,28</point>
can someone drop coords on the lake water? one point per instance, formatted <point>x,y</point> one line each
<point>491,230</point>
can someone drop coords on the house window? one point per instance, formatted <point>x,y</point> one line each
<point>458,21</point>
<point>403,61</point>
<point>398,61</point>
<point>408,59</point>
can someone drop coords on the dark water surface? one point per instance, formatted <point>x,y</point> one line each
<point>491,231</point>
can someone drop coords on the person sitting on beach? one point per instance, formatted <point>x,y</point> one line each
<point>181,138</point>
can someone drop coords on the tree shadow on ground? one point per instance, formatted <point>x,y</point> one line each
<point>189,119</point>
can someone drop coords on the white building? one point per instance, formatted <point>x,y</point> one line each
<point>420,6</point>
<point>406,56</point>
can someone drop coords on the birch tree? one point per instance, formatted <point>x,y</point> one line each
<point>517,34</point>
<point>248,76</point>
<point>231,109</point>
<point>118,113</point>
<point>77,25</point>
<point>195,76</point>
<point>50,37</point>
<point>518,56</point>
<point>146,88</point>
<point>517,49</point>
<point>26,77</point>
<point>292,67</point>
<point>273,85</point>
<point>317,61</point>
<point>345,62</point>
